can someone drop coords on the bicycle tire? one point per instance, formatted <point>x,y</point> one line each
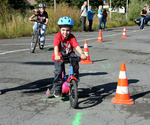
<point>34,42</point>
<point>73,96</point>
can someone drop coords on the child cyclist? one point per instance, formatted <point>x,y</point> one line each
<point>43,17</point>
<point>64,42</point>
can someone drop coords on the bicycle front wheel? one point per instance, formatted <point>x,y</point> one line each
<point>34,42</point>
<point>73,97</point>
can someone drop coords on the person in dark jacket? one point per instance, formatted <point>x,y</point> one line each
<point>143,16</point>
<point>104,20</point>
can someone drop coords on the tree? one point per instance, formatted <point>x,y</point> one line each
<point>135,9</point>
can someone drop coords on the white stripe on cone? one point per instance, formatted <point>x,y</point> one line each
<point>122,75</point>
<point>86,53</point>
<point>85,46</point>
<point>122,90</point>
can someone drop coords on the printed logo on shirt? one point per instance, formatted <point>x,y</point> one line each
<point>65,48</point>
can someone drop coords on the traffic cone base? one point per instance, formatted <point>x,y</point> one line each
<point>100,39</point>
<point>87,61</point>
<point>120,101</point>
<point>124,35</point>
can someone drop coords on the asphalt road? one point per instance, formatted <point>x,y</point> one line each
<point>24,78</point>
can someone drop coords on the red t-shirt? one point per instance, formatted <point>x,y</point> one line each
<point>65,45</point>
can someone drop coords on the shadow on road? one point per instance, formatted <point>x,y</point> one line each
<point>83,46</point>
<point>33,87</point>
<point>93,74</point>
<point>99,60</point>
<point>38,63</point>
<point>139,95</point>
<point>41,85</point>
<point>95,95</point>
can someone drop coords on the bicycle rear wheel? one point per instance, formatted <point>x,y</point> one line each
<point>73,97</point>
<point>34,42</point>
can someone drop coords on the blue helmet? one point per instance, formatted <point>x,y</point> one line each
<point>65,21</point>
<point>42,5</point>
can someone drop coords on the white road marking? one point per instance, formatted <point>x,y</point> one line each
<point>21,50</point>
<point>15,44</point>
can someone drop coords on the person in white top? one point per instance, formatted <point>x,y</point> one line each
<point>84,15</point>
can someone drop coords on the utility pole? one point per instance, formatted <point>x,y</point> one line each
<point>88,3</point>
<point>127,9</point>
<point>54,5</point>
<point>110,8</point>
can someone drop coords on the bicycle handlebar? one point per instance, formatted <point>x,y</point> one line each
<point>69,59</point>
<point>38,21</point>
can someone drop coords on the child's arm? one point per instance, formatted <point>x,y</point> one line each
<point>56,50</point>
<point>46,21</point>
<point>32,17</point>
<point>78,48</point>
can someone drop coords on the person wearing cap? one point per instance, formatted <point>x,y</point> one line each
<point>43,17</point>
<point>64,43</point>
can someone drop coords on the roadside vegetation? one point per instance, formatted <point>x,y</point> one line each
<point>14,23</point>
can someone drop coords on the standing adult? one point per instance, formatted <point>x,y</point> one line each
<point>104,20</point>
<point>143,16</point>
<point>84,15</point>
<point>90,17</point>
<point>100,16</point>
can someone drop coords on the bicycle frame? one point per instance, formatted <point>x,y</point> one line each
<point>65,85</point>
<point>71,77</point>
<point>38,29</point>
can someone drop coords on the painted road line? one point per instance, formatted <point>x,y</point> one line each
<point>15,44</point>
<point>21,50</point>
<point>18,44</point>
<point>77,119</point>
<point>106,66</point>
<point>7,52</point>
<point>55,99</point>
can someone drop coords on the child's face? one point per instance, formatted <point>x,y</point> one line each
<point>41,10</point>
<point>65,31</point>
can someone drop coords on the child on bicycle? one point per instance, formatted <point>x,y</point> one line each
<point>42,16</point>
<point>64,42</point>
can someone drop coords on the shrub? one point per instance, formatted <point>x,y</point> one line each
<point>135,8</point>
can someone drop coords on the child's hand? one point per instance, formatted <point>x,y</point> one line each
<point>57,58</point>
<point>83,56</point>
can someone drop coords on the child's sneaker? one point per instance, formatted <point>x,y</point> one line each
<point>56,93</point>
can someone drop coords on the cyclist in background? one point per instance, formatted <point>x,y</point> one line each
<point>43,17</point>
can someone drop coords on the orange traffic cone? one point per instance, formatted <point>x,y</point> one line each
<point>124,32</point>
<point>122,92</point>
<point>86,52</point>
<point>100,36</point>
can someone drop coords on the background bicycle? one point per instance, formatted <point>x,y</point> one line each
<point>35,36</point>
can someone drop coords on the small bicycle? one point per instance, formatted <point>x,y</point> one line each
<point>70,85</point>
<point>35,37</point>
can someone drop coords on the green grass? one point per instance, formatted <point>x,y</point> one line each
<point>18,25</point>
